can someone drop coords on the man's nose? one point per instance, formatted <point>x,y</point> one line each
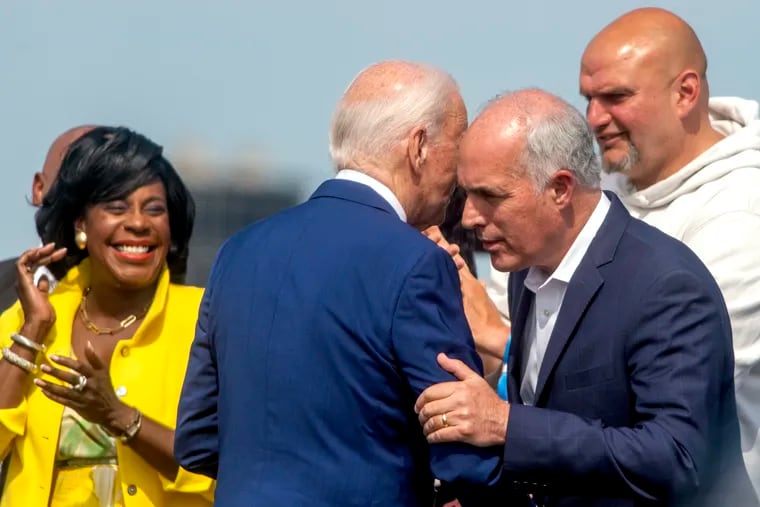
<point>596,114</point>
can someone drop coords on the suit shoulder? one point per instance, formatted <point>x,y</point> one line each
<point>662,252</point>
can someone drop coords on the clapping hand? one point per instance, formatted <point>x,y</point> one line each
<point>34,298</point>
<point>89,391</point>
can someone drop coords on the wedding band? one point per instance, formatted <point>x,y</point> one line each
<point>81,383</point>
<point>445,421</point>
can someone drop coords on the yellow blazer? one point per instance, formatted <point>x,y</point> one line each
<point>147,372</point>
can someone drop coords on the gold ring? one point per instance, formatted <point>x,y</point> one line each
<point>445,421</point>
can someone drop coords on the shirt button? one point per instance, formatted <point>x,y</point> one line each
<point>131,490</point>
<point>125,351</point>
<point>547,313</point>
<point>121,391</point>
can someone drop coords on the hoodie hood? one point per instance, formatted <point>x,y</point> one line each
<point>733,117</point>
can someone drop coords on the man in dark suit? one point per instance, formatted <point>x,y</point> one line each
<point>320,326</point>
<point>620,374</point>
<point>40,185</point>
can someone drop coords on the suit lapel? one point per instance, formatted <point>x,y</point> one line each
<point>581,290</point>
<point>583,286</point>
<point>520,316</point>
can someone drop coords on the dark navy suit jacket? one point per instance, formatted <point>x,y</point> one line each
<point>635,395</point>
<point>319,328</point>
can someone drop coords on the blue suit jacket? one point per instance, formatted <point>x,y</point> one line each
<point>635,395</point>
<point>318,330</point>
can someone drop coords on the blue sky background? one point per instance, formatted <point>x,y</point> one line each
<point>237,74</point>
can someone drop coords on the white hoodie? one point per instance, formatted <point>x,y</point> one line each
<point>713,205</point>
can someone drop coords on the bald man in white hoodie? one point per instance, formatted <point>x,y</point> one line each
<point>680,161</point>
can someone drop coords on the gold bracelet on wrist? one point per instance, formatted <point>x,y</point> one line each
<point>18,361</point>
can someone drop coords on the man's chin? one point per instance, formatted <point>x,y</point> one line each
<point>506,265</point>
<point>615,167</point>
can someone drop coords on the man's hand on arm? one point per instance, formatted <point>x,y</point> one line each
<point>466,411</point>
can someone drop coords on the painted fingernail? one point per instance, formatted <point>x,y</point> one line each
<point>55,357</point>
<point>39,382</point>
<point>46,368</point>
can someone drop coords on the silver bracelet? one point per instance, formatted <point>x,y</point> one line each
<point>27,343</point>
<point>19,361</point>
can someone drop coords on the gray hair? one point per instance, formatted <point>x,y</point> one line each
<point>369,129</point>
<point>558,139</point>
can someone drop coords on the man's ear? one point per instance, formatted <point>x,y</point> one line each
<point>38,189</point>
<point>561,187</point>
<point>688,86</point>
<point>417,148</point>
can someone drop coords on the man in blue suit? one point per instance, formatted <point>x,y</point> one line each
<point>621,368</point>
<point>320,325</point>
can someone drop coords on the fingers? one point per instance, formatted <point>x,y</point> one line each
<point>44,284</point>
<point>448,434</point>
<point>60,394</point>
<point>434,233</point>
<point>71,363</point>
<point>42,256</point>
<point>434,409</point>
<point>433,393</point>
<point>70,377</point>
<point>456,367</point>
<point>437,422</point>
<point>92,357</point>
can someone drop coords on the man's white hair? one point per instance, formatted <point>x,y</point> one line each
<point>370,129</point>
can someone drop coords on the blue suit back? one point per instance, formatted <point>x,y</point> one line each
<point>323,324</point>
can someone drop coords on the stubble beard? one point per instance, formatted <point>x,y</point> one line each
<point>624,165</point>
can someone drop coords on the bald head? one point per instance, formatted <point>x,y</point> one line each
<point>385,80</point>
<point>511,114</point>
<point>644,78</point>
<point>547,133</point>
<point>56,153</point>
<point>651,33</point>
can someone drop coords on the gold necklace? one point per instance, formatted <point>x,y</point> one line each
<point>107,330</point>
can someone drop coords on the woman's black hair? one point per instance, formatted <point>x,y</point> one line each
<point>454,232</point>
<point>107,164</point>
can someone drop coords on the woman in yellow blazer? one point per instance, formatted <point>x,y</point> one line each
<point>92,373</point>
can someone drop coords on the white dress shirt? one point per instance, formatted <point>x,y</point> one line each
<point>385,192</point>
<point>550,292</point>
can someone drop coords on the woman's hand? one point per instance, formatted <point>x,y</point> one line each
<point>34,298</point>
<point>90,391</point>
<point>435,235</point>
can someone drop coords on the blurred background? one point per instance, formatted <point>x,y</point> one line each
<point>240,92</point>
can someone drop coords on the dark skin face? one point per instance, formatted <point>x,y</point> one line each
<point>127,242</point>
<point>128,239</point>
